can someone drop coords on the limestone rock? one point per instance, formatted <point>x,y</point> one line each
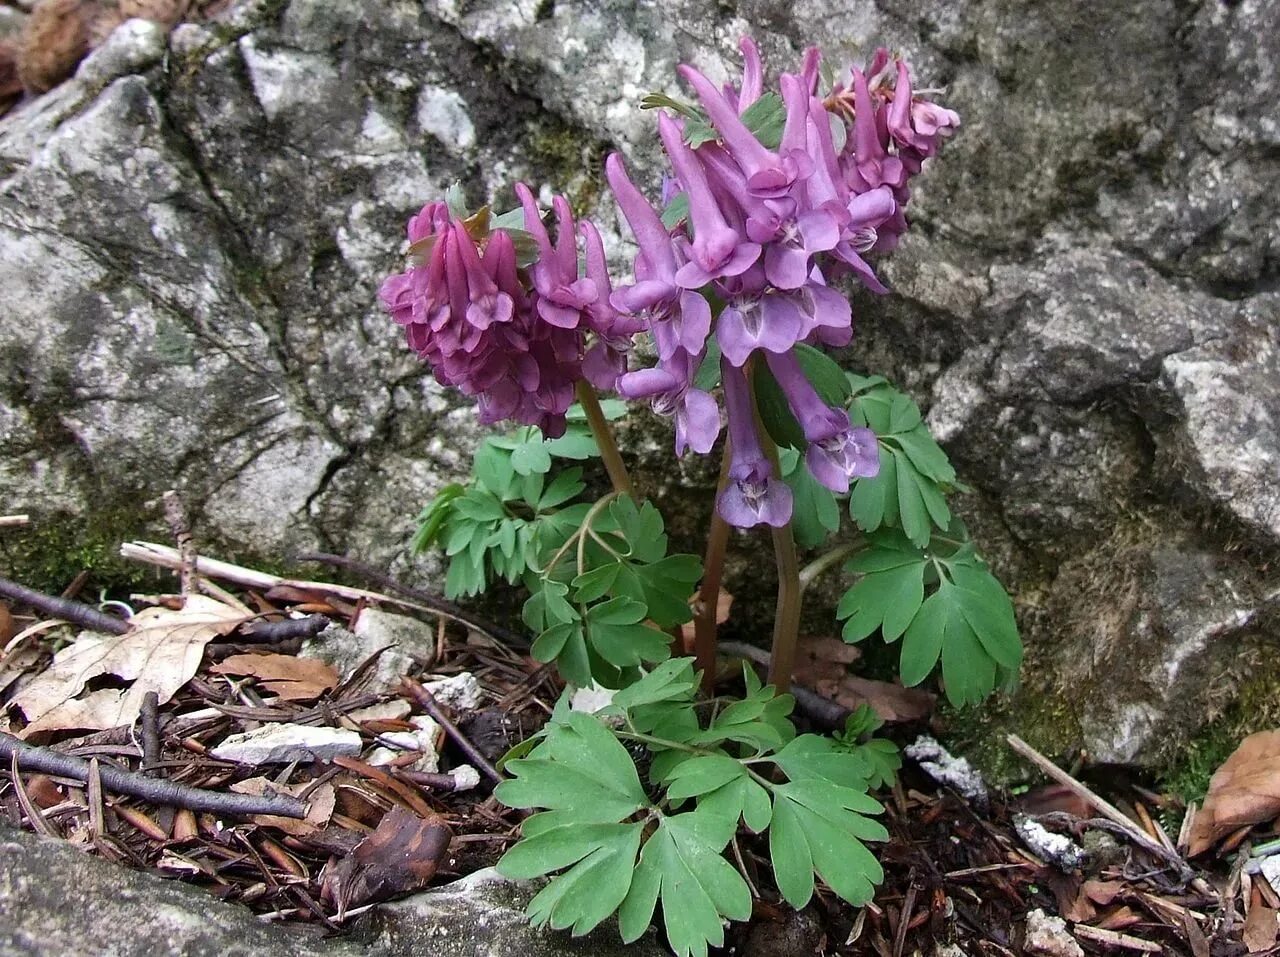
<point>282,743</point>
<point>57,900</point>
<point>448,921</point>
<point>1086,305</point>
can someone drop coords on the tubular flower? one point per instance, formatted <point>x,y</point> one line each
<point>769,226</point>
<point>517,340</point>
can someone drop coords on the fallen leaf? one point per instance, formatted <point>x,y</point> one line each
<point>292,678</point>
<point>822,664</point>
<point>1055,797</point>
<point>6,618</point>
<point>724,605</point>
<point>160,653</point>
<point>1244,791</point>
<point>1103,892</point>
<point>320,805</point>
<point>54,39</point>
<point>1261,927</point>
<point>400,856</point>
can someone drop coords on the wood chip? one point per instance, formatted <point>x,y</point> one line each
<point>1112,938</point>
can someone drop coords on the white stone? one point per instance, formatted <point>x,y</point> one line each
<point>1049,936</point>
<point>422,739</point>
<point>465,777</point>
<point>282,743</point>
<point>443,114</point>
<point>948,770</point>
<point>132,47</point>
<point>460,692</point>
<point>1057,849</point>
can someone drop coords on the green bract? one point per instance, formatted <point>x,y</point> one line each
<point>616,845</point>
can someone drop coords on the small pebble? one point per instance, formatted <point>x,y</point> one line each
<point>282,743</point>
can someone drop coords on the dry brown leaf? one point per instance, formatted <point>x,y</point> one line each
<point>823,665</point>
<point>1103,892</point>
<point>1244,791</point>
<point>320,805</point>
<point>292,678</point>
<point>54,39</point>
<point>1261,927</point>
<point>401,855</point>
<point>160,653</point>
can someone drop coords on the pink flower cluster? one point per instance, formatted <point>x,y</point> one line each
<point>766,230</point>
<point>517,340</point>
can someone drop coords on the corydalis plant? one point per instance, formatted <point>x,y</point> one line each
<point>772,198</point>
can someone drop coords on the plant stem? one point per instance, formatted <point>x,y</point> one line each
<point>825,562</point>
<point>604,438</point>
<point>786,621</point>
<point>704,624</point>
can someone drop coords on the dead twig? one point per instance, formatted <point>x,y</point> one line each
<point>176,517</point>
<point>446,609</point>
<point>150,731</point>
<point>86,616</point>
<point>820,710</point>
<point>165,557</point>
<point>270,632</point>
<point>32,758</point>
<point>13,521</point>
<point>1111,938</point>
<point>1130,828</point>
<point>429,705</point>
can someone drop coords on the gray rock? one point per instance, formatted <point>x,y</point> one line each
<point>282,743</point>
<point>57,901</point>
<point>483,914</point>
<point>404,643</point>
<point>1086,305</point>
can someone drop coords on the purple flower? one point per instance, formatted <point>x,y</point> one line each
<point>717,249</point>
<point>671,390</point>
<point>837,452</point>
<point>517,340</point>
<point>754,494</point>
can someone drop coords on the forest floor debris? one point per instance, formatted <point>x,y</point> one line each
<point>325,773</point>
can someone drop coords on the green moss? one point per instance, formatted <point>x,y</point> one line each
<point>50,552</point>
<point>1045,721</point>
<point>1256,707</point>
<point>573,162</point>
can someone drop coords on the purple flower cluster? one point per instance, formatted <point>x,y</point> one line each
<point>518,340</point>
<point>766,230</point>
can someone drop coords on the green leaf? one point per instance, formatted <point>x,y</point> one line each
<point>814,756</point>
<point>677,211</point>
<point>824,374</point>
<point>563,487</point>
<point>479,505</point>
<point>873,502</point>
<point>775,411</point>
<point>702,774</point>
<point>595,584</point>
<point>698,887</point>
<point>925,454</point>
<point>708,375</point>
<point>492,467</point>
<point>673,680</point>
<point>432,520</point>
<point>577,443</point>
<point>592,889</point>
<point>815,514</point>
<point>581,768</point>
<point>766,118</point>
<point>887,600</point>
<point>465,577</point>
<point>922,643</point>
<point>913,516</point>
<point>530,457</point>
<point>989,611</point>
<point>820,826</point>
